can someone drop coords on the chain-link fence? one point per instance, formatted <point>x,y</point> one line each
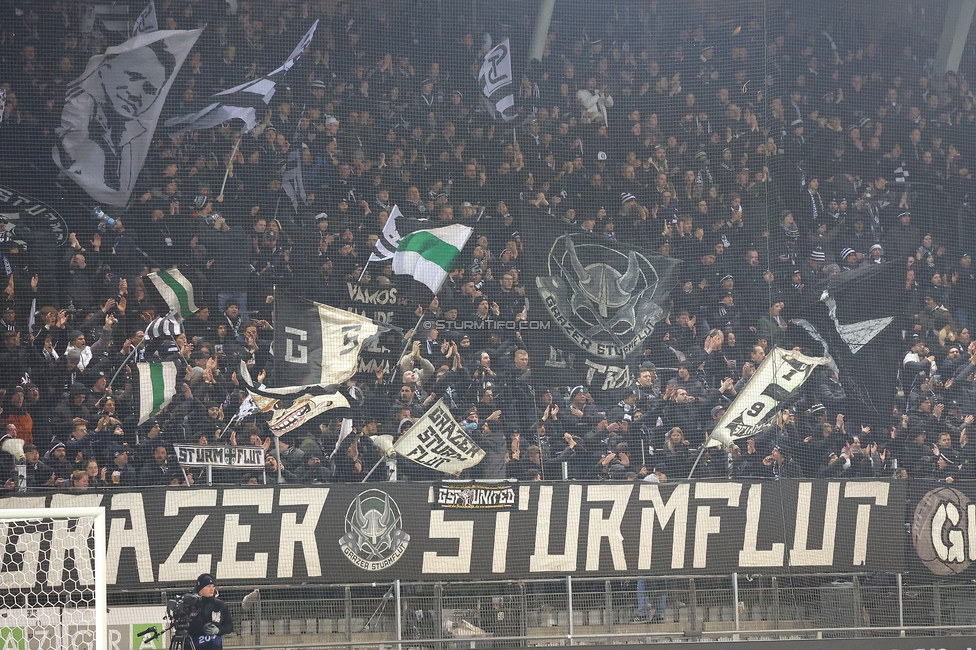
<point>527,613</point>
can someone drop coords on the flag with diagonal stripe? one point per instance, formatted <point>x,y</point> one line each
<point>176,290</point>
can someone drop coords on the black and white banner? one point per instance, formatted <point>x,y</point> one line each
<point>353,533</point>
<point>438,442</point>
<point>243,101</point>
<point>318,345</point>
<point>496,82</point>
<point>147,21</point>
<point>217,456</point>
<point>379,304</point>
<point>594,302</point>
<point>111,110</point>
<point>778,378</point>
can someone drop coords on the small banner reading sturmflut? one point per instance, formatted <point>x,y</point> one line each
<point>212,455</point>
<point>438,442</point>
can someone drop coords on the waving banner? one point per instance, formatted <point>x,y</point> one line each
<point>778,378</point>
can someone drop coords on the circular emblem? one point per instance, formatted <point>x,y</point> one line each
<point>24,217</point>
<point>939,529</point>
<point>374,538</point>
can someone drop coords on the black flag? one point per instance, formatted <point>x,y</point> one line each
<point>316,345</point>
<point>592,303</point>
<point>852,318</point>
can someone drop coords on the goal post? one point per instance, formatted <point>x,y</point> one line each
<point>52,578</point>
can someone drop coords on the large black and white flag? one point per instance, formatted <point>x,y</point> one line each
<point>851,318</point>
<point>397,225</point>
<point>111,110</point>
<point>241,102</point>
<point>594,302</point>
<point>316,345</point>
<point>163,327</point>
<point>147,22</point>
<point>496,79</point>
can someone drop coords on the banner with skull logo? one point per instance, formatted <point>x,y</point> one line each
<point>602,299</point>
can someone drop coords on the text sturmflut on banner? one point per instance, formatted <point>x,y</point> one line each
<point>354,533</point>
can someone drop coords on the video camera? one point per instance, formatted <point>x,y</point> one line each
<point>183,606</point>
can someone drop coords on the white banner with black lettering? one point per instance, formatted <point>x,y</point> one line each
<point>778,378</point>
<point>438,442</point>
<point>216,456</point>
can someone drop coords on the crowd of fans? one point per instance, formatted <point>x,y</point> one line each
<point>764,152</point>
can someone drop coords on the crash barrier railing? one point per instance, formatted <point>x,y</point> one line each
<point>584,611</point>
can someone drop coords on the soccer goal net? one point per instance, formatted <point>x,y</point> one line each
<point>52,579</point>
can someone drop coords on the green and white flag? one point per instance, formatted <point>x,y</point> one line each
<point>428,255</point>
<point>176,291</point>
<point>157,386</point>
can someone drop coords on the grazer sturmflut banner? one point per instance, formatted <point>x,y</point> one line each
<point>383,531</point>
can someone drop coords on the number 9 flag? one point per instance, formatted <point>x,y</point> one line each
<point>777,380</point>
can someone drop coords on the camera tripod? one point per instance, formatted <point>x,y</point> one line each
<point>179,639</point>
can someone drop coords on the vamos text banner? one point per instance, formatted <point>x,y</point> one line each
<point>383,531</point>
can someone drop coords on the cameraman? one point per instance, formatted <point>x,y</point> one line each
<point>211,618</point>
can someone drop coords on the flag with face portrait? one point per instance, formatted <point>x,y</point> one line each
<point>111,110</point>
<point>241,102</point>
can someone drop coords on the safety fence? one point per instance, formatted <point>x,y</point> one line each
<point>577,611</point>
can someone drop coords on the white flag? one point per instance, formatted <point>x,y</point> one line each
<point>437,441</point>
<point>111,111</point>
<point>147,22</point>
<point>496,82</point>
<point>778,378</point>
<point>387,244</point>
<point>241,102</point>
<point>157,386</point>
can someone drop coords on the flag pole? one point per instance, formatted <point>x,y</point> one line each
<point>363,274</point>
<point>230,161</point>
<point>124,363</point>
<point>365,478</point>
<point>409,340</point>
<point>701,452</point>
<point>230,422</point>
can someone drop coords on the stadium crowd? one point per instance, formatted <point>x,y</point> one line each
<point>765,152</point>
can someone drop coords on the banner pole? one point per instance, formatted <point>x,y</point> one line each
<point>230,161</point>
<point>365,478</point>
<point>124,363</point>
<point>409,340</point>
<point>701,452</point>
<point>363,274</point>
<point>230,422</point>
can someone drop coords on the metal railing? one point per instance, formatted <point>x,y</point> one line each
<point>581,611</point>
